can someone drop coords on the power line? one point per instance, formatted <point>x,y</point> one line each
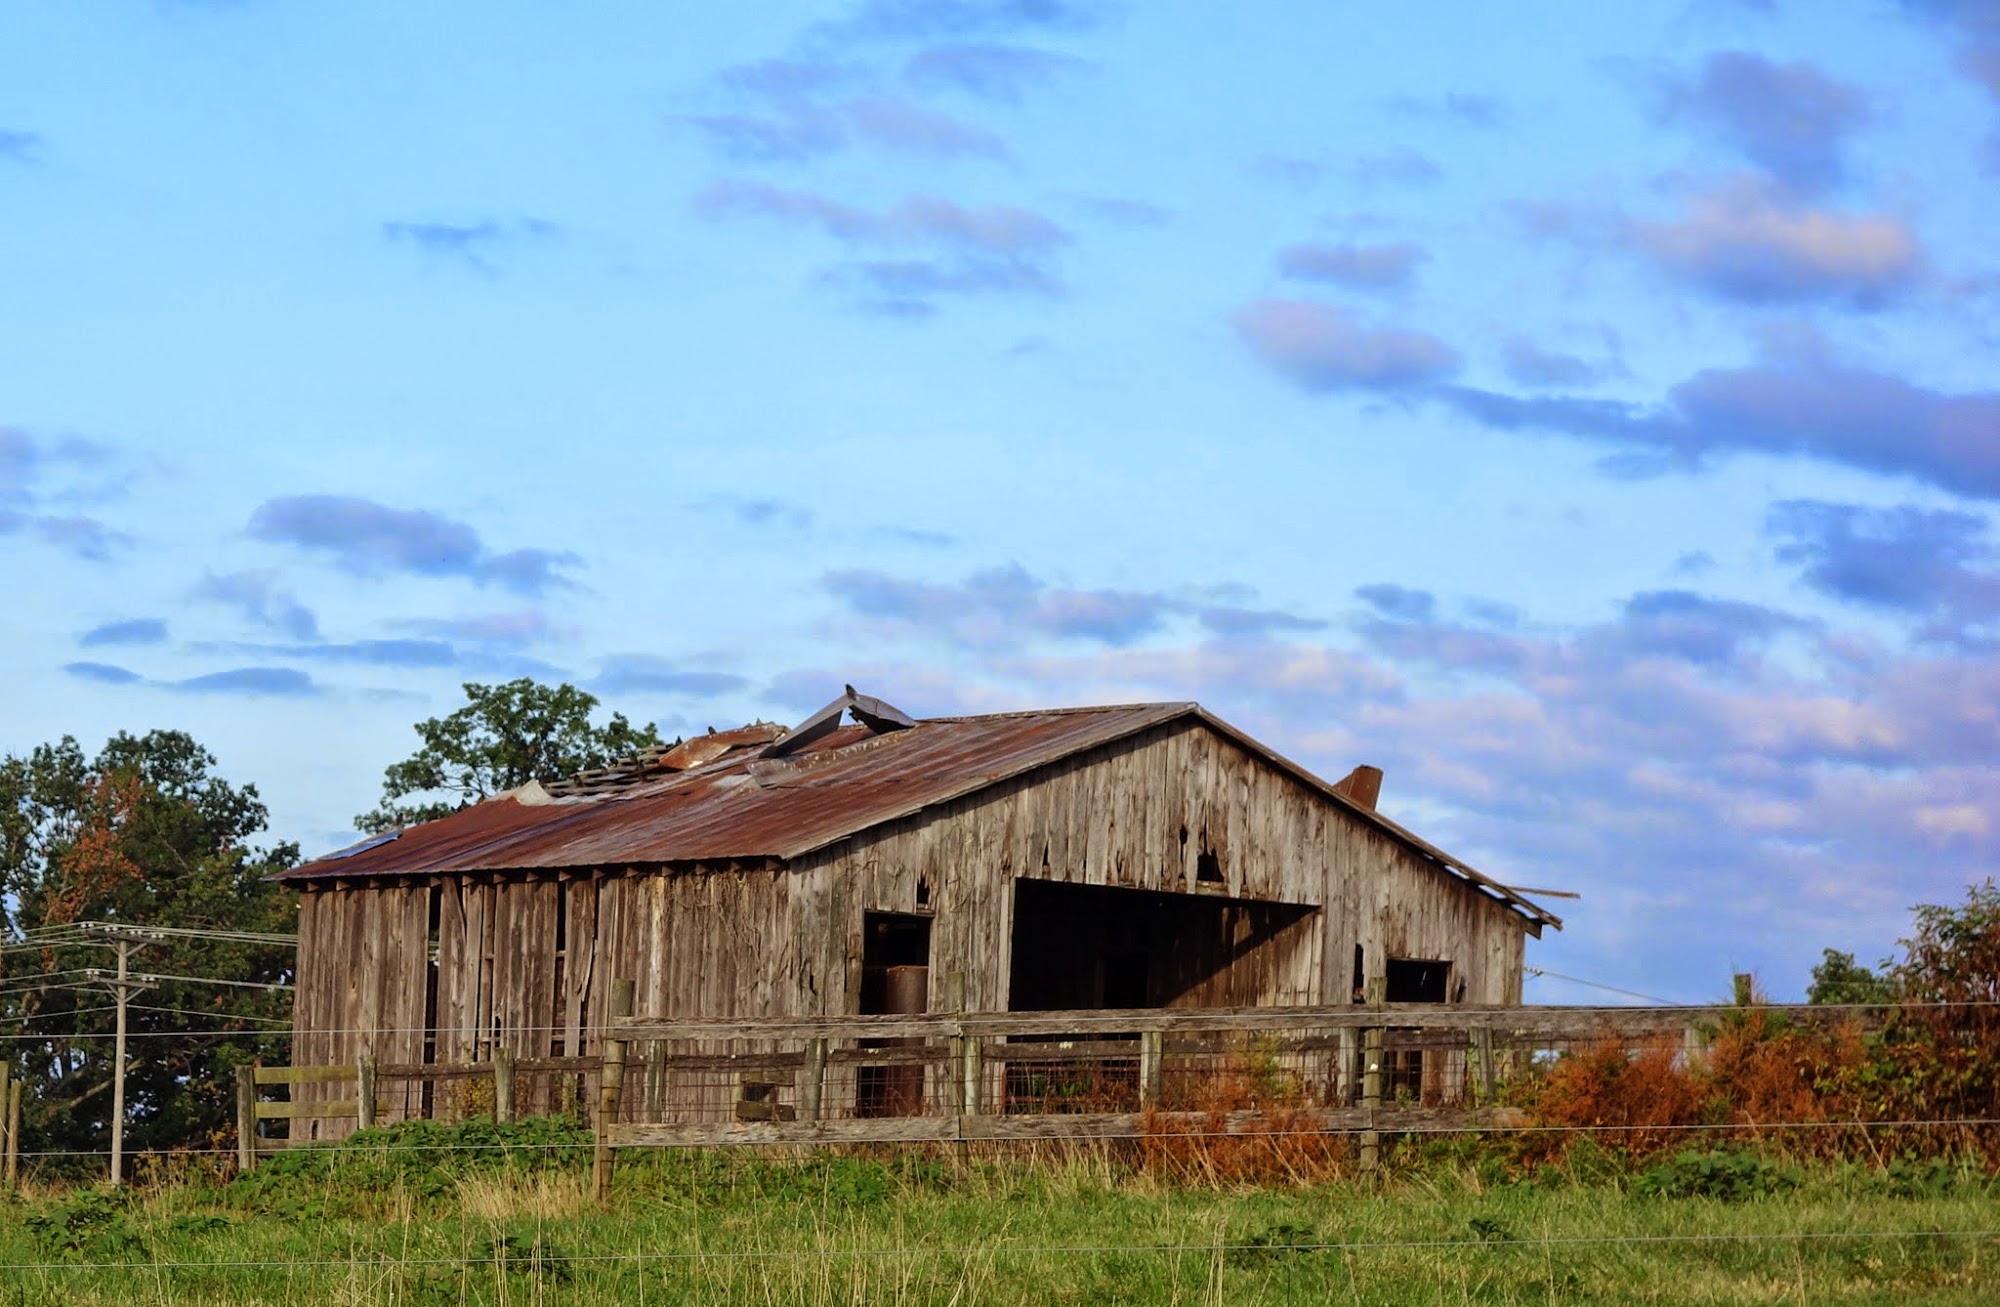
<point>1609,989</point>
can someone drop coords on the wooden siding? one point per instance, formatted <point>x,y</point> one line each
<point>525,962</point>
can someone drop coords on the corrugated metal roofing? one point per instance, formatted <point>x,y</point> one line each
<point>741,805</point>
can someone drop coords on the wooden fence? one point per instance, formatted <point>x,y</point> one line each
<point>1363,1069</point>
<point>365,1106</point>
<point>1366,1070</point>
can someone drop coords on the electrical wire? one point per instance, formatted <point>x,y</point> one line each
<point>1594,984</point>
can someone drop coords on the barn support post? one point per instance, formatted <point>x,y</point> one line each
<point>6,1138</point>
<point>246,1118</point>
<point>1152,1043</point>
<point>656,1080</point>
<point>611,1085</point>
<point>812,1080</point>
<point>365,1106</point>
<point>1371,1076</point>
<point>503,1085</point>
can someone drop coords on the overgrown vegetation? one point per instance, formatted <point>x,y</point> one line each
<point>478,1214</point>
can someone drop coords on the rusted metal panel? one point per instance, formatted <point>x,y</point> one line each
<point>743,806</point>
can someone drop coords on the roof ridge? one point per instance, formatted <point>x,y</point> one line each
<point>1074,710</point>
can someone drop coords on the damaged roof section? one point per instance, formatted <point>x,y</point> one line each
<point>764,792</point>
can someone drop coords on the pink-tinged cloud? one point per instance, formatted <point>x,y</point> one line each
<point>1750,242</point>
<point>1359,267</point>
<point>1002,229</point>
<point>1323,348</point>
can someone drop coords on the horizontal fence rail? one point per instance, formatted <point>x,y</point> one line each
<point>951,1077</point>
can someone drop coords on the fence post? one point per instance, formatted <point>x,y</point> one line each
<point>14,1132</point>
<point>503,1085</point>
<point>246,1117</point>
<point>812,1080</point>
<point>1371,1076</point>
<point>365,1074</point>
<point>611,1085</point>
<point>1152,1043</point>
<point>6,1136</point>
<point>1740,988</point>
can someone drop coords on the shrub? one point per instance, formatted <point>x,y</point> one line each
<point>1729,1174</point>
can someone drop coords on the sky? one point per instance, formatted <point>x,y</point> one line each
<point>1586,413</point>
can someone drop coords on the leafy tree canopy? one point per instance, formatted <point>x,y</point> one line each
<point>505,735</point>
<point>143,833</point>
<point>1839,979</point>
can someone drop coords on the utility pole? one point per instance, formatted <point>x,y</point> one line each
<point>123,988</point>
<point>118,1071</point>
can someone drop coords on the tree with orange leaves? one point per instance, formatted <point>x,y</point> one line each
<point>143,833</point>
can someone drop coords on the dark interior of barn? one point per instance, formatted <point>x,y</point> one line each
<point>1095,946</point>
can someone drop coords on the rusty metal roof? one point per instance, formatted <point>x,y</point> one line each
<point>733,803</point>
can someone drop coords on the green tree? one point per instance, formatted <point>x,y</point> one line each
<point>505,735</point>
<point>143,834</point>
<point>1839,979</point>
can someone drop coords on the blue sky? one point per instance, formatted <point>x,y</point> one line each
<point>1585,413</point>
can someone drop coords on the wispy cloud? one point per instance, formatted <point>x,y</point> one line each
<point>1324,348</point>
<point>1750,242</point>
<point>794,130</point>
<point>261,598</point>
<point>132,631</point>
<point>973,248</point>
<point>251,682</point>
<point>1934,563</point>
<point>991,71</point>
<point>39,475</point>
<point>1531,365</point>
<point>1005,607</point>
<point>901,20</point>
<point>1792,120</point>
<point>517,629</point>
<point>17,146</point>
<point>1387,266</point>
<point>638,673</point>
<point>1468,107</point>
<point>371,539</point>
<point>475,245</point>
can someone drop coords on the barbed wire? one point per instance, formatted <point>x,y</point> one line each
<point>335,1149</point>
<point>1216,1248</point>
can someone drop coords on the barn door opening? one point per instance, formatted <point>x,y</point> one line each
<point>895,981</point>
<point>1095,946</point>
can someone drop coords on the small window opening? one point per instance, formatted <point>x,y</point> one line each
<point>1208,869</point>
<point>923,892</point>
<point>1360,976</point>
<point>1412,981</point>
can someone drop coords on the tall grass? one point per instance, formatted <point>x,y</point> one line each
<point>393,1219</point>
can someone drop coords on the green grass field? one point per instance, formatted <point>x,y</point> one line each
<point>496,1219</point>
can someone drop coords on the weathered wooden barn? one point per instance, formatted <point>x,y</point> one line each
<point>1146,855</point>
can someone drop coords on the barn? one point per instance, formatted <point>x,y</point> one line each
<point>1123,856</point>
